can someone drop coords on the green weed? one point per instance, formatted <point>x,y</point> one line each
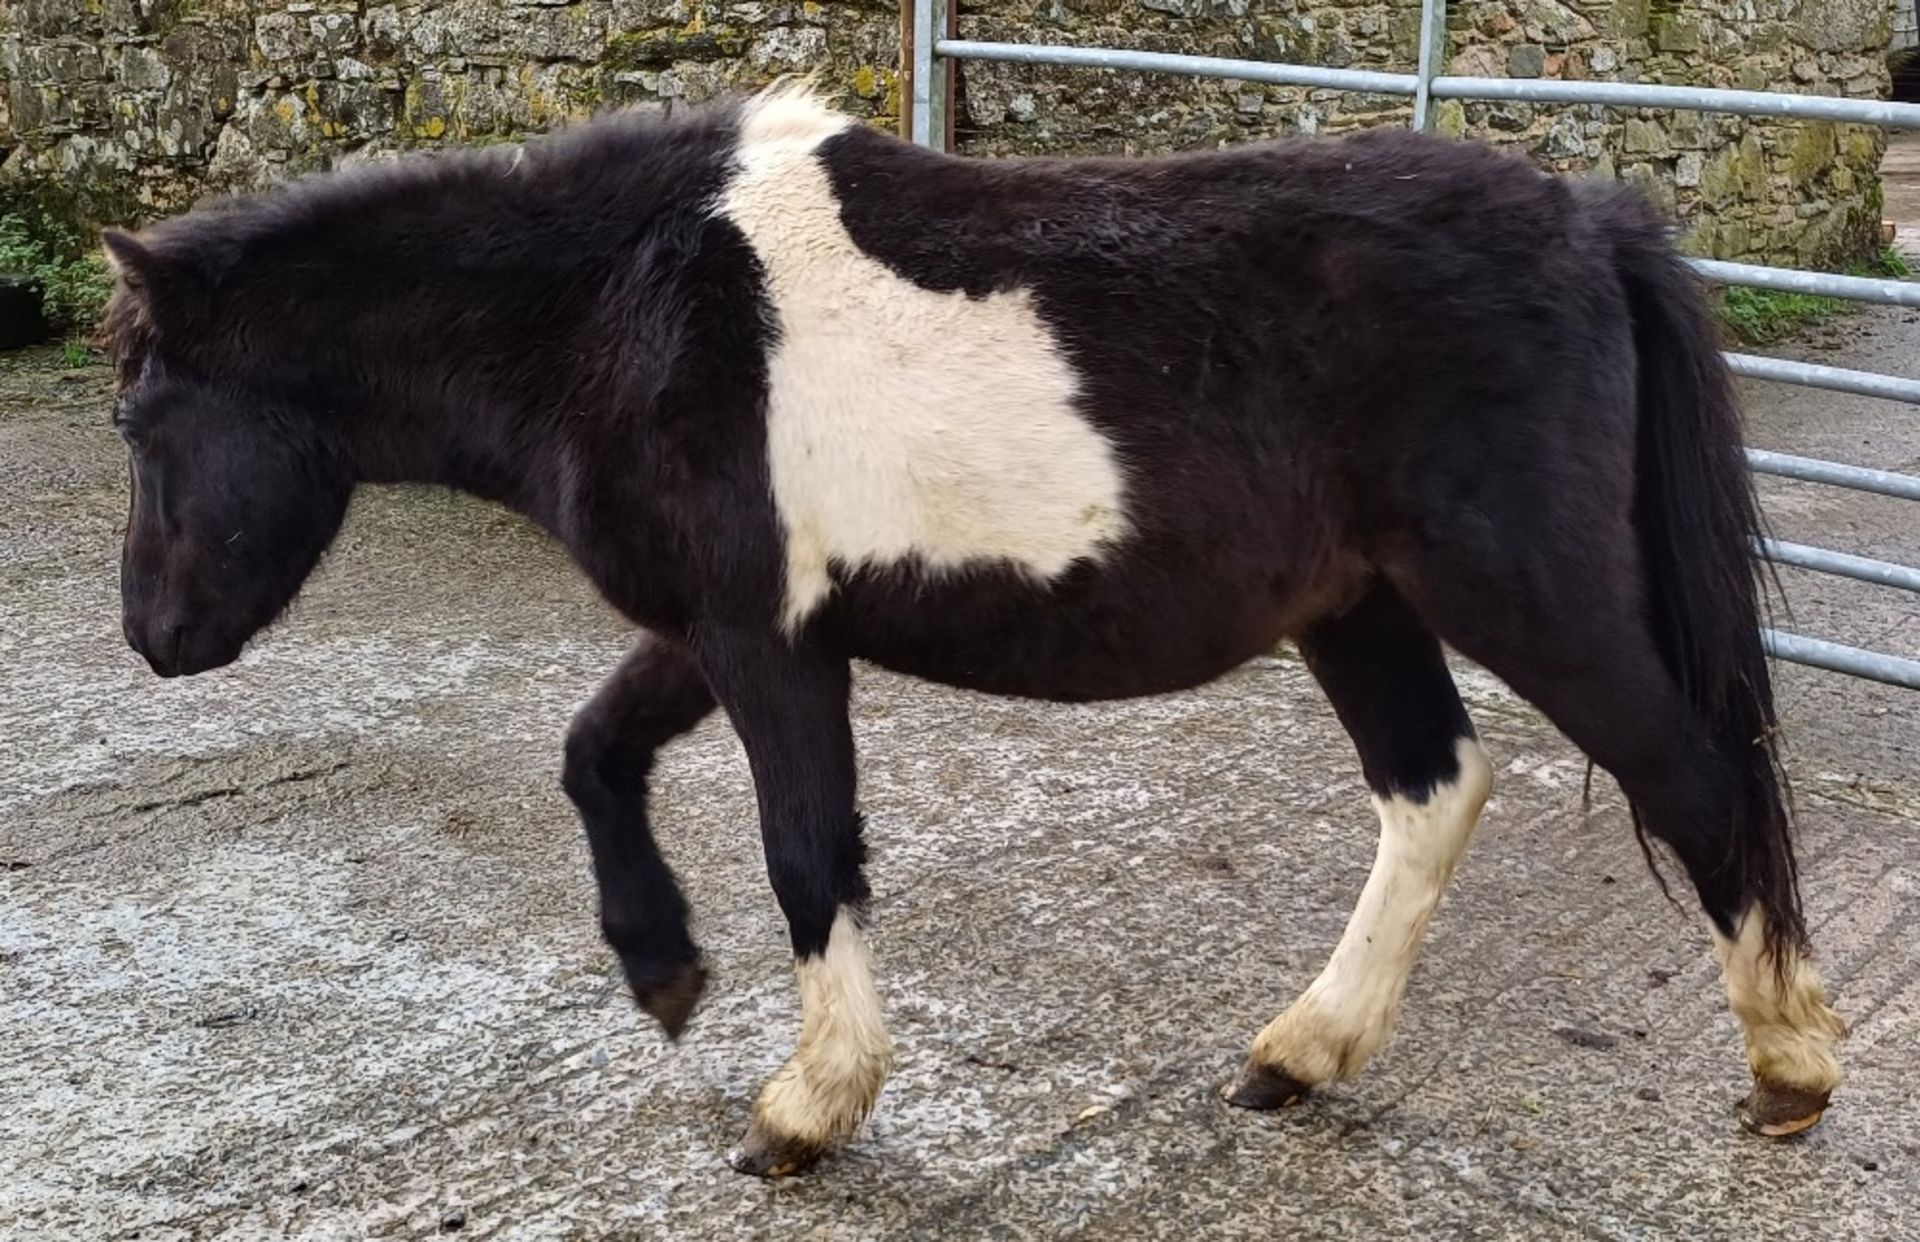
<point>66,265</point>
<point>1768,316</point>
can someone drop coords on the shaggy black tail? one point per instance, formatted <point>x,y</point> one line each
<point>1697,518</point>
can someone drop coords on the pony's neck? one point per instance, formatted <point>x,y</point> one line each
<point>485,322</point>
<point>479,406</point>
<point>496,452</point>
<point>457,315</point>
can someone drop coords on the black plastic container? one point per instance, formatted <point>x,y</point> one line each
<point>22,321</point>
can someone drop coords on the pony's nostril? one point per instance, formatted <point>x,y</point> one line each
<point>165,643</point>
<point>172,639</point>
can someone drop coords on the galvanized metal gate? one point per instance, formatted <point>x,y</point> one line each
<point>930,34</point>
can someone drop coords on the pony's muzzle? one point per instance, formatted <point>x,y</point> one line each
<point>169,646</point>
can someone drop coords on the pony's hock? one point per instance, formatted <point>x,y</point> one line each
<point>1172,420</point>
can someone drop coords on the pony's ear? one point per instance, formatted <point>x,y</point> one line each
<point>132,262</point>
<point>155,286</point>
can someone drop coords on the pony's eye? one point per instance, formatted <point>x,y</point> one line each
<point>128,429</point>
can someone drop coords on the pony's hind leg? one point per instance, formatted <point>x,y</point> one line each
<point>654,696</point>
<point>1388,681</point>
<point>1589,661</point>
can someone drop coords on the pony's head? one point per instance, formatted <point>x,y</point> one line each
<point>237,487</point>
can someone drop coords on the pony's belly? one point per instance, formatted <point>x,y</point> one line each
<point>1059,644</point>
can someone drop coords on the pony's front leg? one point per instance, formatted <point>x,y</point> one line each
<point>656,695</point>
<point>789,705</point>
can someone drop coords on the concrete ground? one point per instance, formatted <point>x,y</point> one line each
<point>306,947</point>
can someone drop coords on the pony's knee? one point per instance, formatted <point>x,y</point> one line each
<point>611,743</point>
<point>589,747</point>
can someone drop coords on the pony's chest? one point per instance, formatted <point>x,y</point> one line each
<point>908,423</point>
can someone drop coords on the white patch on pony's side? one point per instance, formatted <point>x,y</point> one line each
<point>827,1088</point>
<point>904,423</point>
<point>1790,1032</point>
<point>1346,1014</point>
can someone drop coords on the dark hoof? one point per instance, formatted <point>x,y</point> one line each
<point>1265,1087</point>
<point>768,1155</point>
<point>1777,1110</point>
<point>671,1002</point>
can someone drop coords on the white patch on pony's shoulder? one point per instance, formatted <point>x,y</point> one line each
<point>904,423</point>
<point>791,110</point>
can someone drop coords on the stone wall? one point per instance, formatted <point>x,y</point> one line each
<point>1782,192</point>
<point>149,104</point>
<point>145,105</point>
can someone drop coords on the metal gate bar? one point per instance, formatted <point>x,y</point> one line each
<point>928,128</point>
<point>1839,658</point>
<point>1777,105</point>
<point>1273,72</point>
<point>1774,104</point>
<point>1842,564</point>
<point>1832,473</point>
<point>1833,379</point>
<point>1822,284</point>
